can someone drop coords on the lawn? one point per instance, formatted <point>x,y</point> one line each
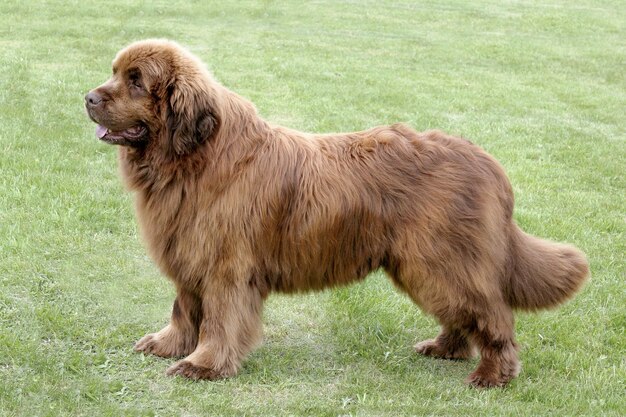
<point>540,86</point>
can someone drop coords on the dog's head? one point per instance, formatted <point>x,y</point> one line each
<point>158,92</point>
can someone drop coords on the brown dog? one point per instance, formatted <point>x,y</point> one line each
<point>233,208</point>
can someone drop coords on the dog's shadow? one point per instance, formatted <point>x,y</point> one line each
<point>367,329</point>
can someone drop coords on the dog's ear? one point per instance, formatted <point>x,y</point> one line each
<point>190,117</point>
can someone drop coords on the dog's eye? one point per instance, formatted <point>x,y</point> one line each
<point>134,77</point>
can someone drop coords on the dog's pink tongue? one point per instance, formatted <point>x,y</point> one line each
<point>101,131</point>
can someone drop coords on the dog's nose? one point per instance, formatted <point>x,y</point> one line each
<point>93,99</point>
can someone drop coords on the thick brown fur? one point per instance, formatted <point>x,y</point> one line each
<point>233,208</point>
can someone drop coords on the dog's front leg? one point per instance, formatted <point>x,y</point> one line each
<point>230,328</point>
<point>180,336</point>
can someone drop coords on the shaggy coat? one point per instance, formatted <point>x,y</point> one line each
<point>232,208</point>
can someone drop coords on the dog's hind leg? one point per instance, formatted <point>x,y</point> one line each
<point>488,327</point>
<point>486,323</point>
<point>492,331</point>
<point>451,343</point>
<point>472,310</point>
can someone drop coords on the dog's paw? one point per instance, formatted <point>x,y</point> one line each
<point>428,348</point>
<point>146,344</point>
<point>479,380</point>
<point>434,349</point>
<point>191,371</point>
<point>156,344</point>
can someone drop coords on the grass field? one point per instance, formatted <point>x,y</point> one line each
<point>540,86</point>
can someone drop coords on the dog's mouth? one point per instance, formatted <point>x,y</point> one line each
<point>132,135</point>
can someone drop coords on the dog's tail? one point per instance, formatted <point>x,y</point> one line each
<point>543,274</point>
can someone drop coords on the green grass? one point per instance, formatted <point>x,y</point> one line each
<point>542,87</point>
